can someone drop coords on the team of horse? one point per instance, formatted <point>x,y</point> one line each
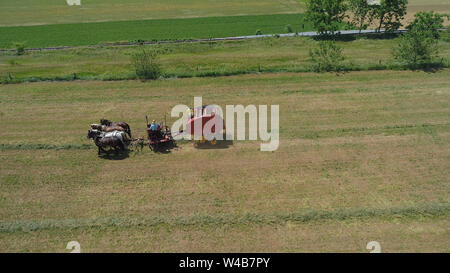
<point>111,136</point>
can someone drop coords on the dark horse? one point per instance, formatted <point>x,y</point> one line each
<point>107,129</point>
<point>124,125</point>
<point>113,141</point>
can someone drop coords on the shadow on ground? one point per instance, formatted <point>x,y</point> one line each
<point>220,144</point>
<point>115,156</point>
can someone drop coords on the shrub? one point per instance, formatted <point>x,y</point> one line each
<point>20,48</point>
<point>145,64</point>
<point>258,32</point>
<point>417,48</point>
<point>327,57</point>
<point>13,62</point>
<point>140,42</point>
<point>289,29</point>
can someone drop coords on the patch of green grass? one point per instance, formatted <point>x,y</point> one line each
<point>267,55</point>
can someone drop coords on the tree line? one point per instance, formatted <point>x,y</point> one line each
<point>328,16</point>
<point>417,48</point>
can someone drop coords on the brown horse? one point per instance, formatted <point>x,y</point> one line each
<point>105,128</point>
<point>124,125</point>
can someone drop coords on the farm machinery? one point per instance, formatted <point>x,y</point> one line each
<point>159,137</point>
<point>202,116</point>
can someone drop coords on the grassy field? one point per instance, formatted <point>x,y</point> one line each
<point>363,156</point>
<point>148,30</point>
<point>198,59</point>
<point>30,12</point>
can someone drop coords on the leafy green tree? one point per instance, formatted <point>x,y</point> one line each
<point>362,13</point>
<point>428,21</point>
<point>390,13</point>
<point>326,15</point>
<point>327,57</point>
<point>419,46</point>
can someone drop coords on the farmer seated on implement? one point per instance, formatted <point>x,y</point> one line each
<point>156,128</point>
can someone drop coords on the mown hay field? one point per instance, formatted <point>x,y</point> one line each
<point>363,156</point>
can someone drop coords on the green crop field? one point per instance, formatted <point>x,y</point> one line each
<point>363,156</point>
<point>54,23</point>
<point>160,29</point>
<point>31,12</point>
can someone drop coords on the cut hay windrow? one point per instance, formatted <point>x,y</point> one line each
<point>302,216</point>
<point>30,146</point>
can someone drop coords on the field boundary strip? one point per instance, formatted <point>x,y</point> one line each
<point>433,67</point>
<point>235,38</point>
<point>302,216</point>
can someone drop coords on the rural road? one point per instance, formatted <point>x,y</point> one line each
<point>302,34</point>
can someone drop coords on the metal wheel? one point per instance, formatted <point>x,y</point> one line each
<point>154,147</point>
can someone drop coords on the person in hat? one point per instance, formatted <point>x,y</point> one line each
<point>154,126</point>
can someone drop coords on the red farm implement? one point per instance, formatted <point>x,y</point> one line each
<point>200,117</point>
<point>159,139</point>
